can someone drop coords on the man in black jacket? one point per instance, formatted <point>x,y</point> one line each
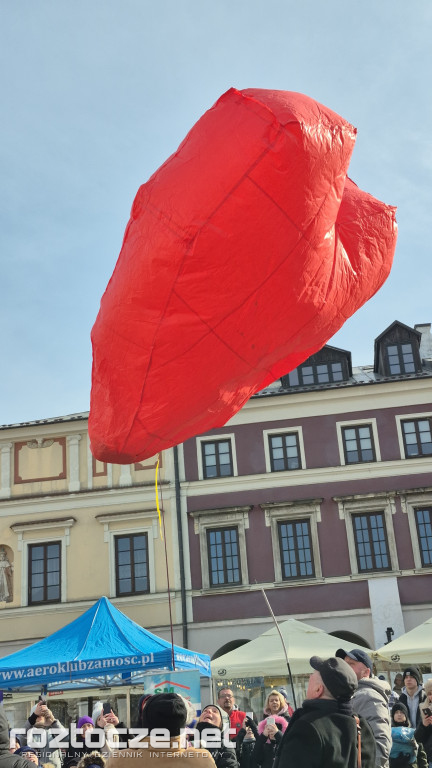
<point>323,732</point>
<point>413,694</point>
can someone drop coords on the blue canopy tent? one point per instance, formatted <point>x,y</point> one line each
<point>102,647</point>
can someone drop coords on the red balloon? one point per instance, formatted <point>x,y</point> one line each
<point>245,252</point>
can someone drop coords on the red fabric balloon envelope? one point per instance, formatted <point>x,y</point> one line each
<point>245,252</point>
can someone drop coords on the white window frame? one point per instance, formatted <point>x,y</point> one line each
<point>309,509</point>
<point>363,505</point>
<point>146,522</point>
<point>225,517</point>
<point>284,431</point>
<point>215,439</point>
<point>57,526</point>
<point>357,423</point>
<point>410,502</point>
<point>409,417</point>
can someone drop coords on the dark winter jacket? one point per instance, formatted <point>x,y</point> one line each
<point>6,759</point>
<point>320,735</point>
<point>421,696</point>
<point>245,747</point>
<point>423,735</point>
<point>74,754</point>
<point>266,748</point>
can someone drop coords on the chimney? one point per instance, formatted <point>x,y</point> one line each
<point>426,340</point>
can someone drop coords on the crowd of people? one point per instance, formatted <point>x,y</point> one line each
<point>349,719</point>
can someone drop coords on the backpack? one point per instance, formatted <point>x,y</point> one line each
<point>366,747</point>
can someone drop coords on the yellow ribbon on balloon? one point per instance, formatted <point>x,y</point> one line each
<point>157,499</point>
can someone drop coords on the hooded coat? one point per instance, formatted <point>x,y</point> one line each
<point>370,701</point>
<point>265,748</point>
<point>6,759</point>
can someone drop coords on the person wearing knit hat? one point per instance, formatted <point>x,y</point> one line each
<point>412,693</point>
<point>85,722</point>
<point>323,733</point>
<point>210,726</point>
<point>407,750</point>
<point>107,723</point>
<point>75,753</point>
<point>163,710</point>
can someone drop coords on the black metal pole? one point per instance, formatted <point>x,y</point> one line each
<point>283,646</point>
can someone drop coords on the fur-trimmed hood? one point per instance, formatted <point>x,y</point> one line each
<point>279,721</point>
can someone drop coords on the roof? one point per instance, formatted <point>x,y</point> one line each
<point>361,375</point>
<point>53,420</point>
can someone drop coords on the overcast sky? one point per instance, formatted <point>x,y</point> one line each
<point>96,94</point>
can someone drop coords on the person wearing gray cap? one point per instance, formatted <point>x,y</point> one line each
<point>323,732</point>
<point>370,701</point>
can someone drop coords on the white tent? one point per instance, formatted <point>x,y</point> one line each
<point>265,656</point>
<point>414,647</point>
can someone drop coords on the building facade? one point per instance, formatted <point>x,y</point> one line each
<point>73,529</point>
<point>320,491</point>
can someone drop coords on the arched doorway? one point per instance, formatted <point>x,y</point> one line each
<point>351,639</point>
<point>231,646</point>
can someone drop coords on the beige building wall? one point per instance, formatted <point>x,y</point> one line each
<point>53,490</point>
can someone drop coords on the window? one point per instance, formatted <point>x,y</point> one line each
<point>132,564</point>
<point>370,534</point>
<point>296,549</point>
<point>371,542</point>
<point>223,556</point>
<point>217,458</point>
<point>222,545</point>
<point>424,531</point>
<point>130,536</point>
<point>417,437</point>
<point>44,573</point>
<point>284,452</point>
<point>400,358</point>
<point>358,444</point>
<point>316,373</point>
<point>294,534</point>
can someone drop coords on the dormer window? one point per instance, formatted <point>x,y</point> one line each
<point>400,358</point>
<point>328,366</point>
<point>397,351</point>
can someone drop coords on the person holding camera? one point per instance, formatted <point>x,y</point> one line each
<point>41,720</point>
<point>270,732</point>
<point>423,732</point>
